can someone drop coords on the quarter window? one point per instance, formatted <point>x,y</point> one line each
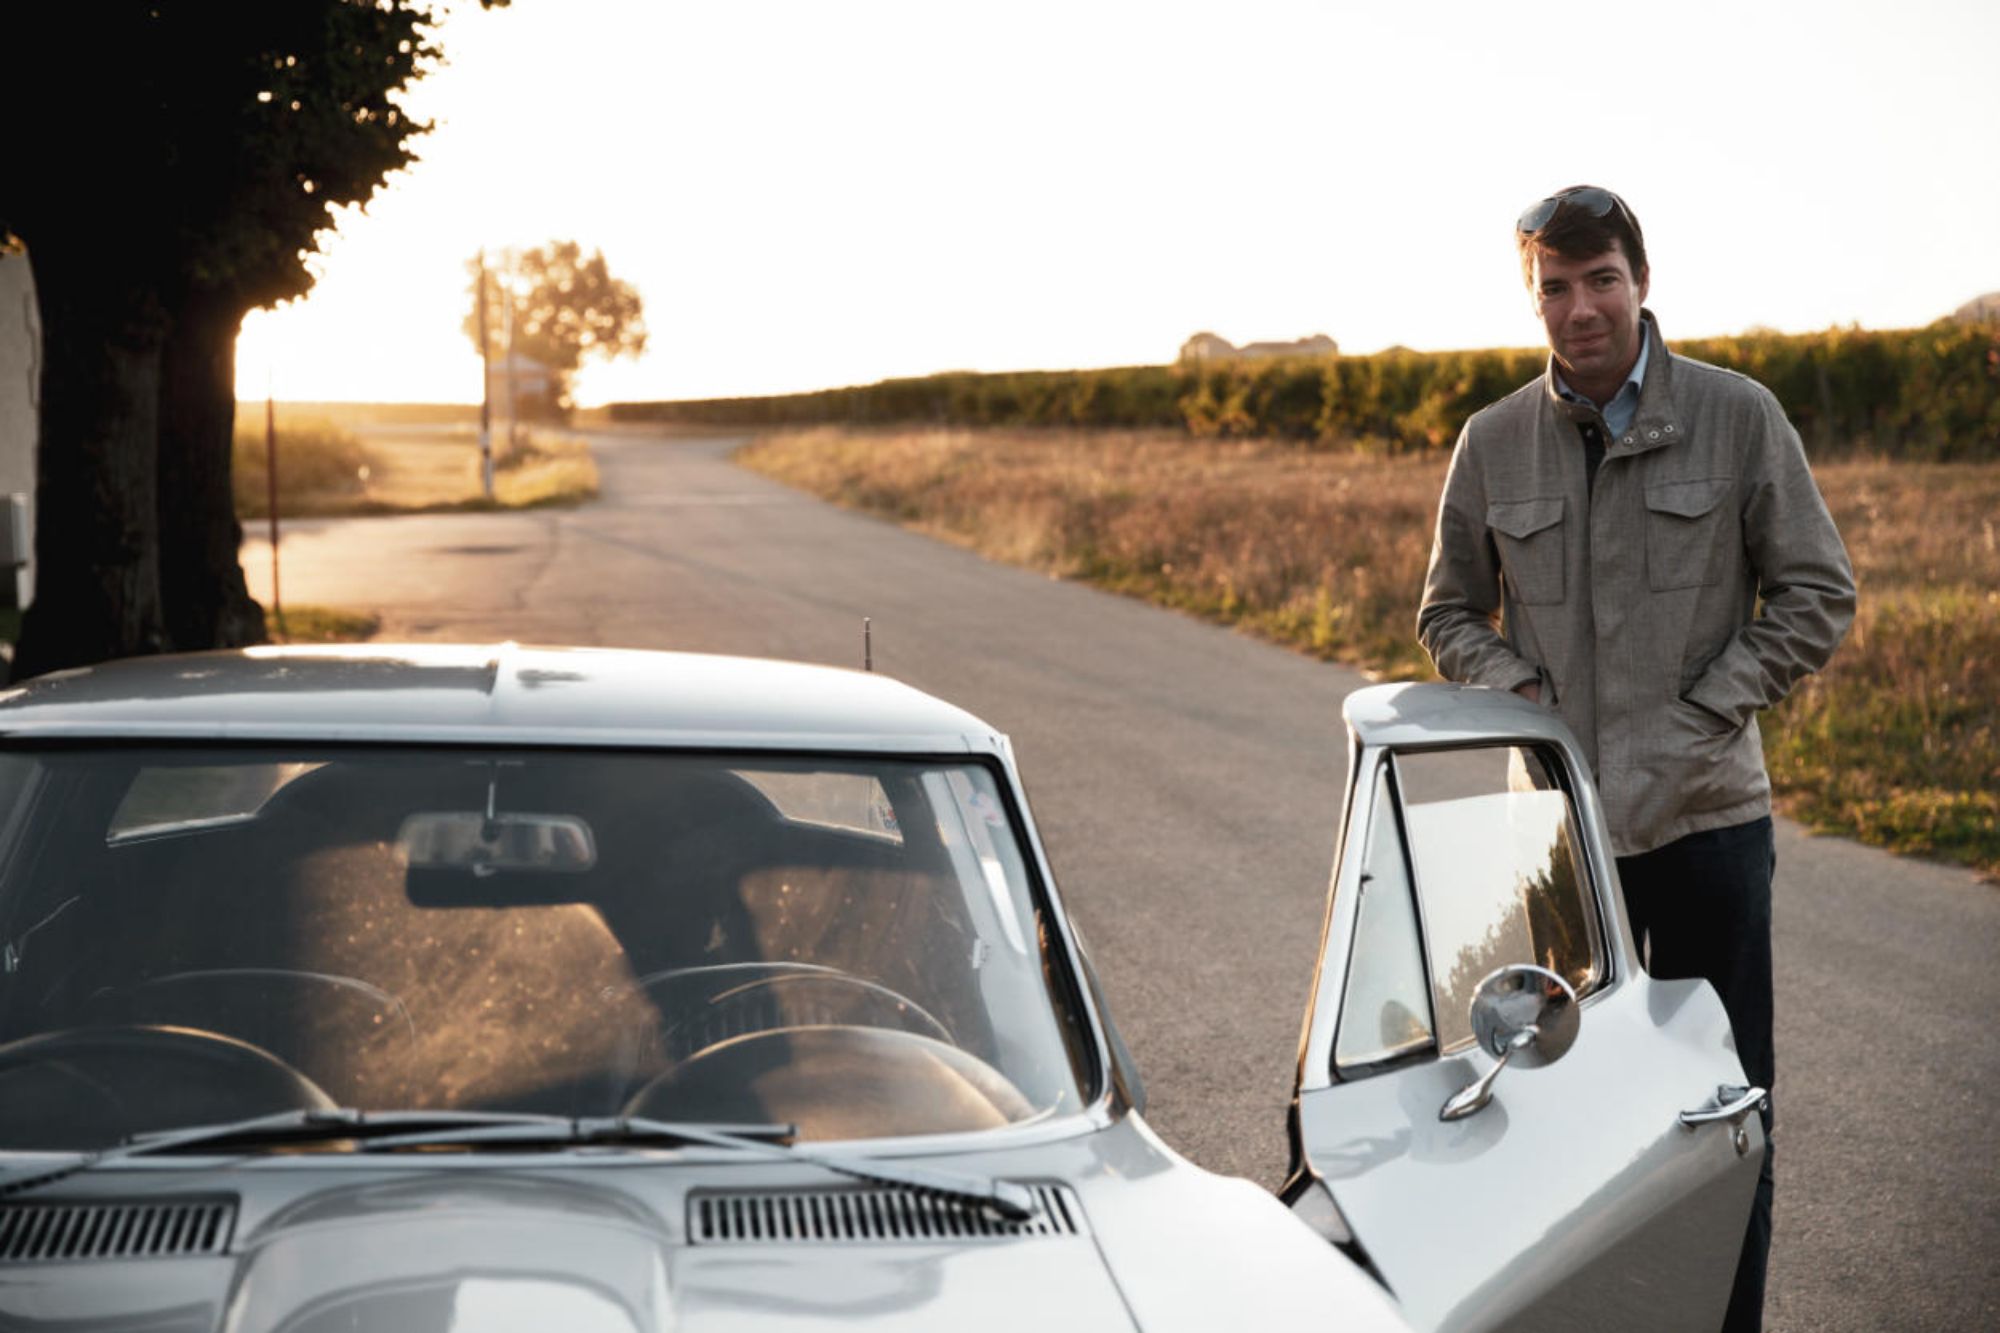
<point>1386,1011</point>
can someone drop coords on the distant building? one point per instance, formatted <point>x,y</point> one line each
<point>521,386</point>
<point>1317,345</point>
<point>1207,347</point>
<point>1212,347</point>
<point>1979,310</point>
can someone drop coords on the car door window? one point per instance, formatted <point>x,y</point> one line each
<point>1499,874</point>
<point>1385,1013</point>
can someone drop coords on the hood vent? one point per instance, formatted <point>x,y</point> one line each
<point>845,1217</point>
<point>40,1233</point>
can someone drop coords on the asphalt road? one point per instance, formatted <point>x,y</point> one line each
<point>1187,781</point>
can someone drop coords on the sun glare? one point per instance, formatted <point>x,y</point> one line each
<point>810,195</point>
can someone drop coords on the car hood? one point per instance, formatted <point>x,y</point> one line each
<point>1130,1237</point>
<point>489,1254</point>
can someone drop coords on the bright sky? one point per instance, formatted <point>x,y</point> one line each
<point>812,194</point>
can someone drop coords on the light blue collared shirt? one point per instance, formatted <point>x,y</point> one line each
<point>1624,405</point>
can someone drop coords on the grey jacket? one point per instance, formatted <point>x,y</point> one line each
<point>1637,605</point>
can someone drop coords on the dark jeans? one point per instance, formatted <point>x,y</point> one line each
<point>1701,907</point>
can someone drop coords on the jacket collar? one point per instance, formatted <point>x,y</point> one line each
<point>1655,425</point>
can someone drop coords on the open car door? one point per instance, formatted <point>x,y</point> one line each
<point>1601,1175</point>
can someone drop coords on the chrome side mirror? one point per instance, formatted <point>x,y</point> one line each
<point>1521,1014</point>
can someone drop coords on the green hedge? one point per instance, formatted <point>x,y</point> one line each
<point>1930,393</point>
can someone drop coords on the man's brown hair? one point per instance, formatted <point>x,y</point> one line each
<point>1575,232</point>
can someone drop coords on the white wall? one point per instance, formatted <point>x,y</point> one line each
<point>20,385</point>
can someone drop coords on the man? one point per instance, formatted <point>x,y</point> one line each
<point>1646,533</point>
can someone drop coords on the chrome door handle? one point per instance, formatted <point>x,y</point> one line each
<point>1734,1104</point>
<point>1731,1104</point>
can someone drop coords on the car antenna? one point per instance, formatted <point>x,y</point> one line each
<point>867,644</point>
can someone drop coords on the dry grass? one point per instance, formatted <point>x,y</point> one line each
<point>322,467</point>
<point>547,469</point>
<point>1320,550</point>
<point>325,467</point>
<point>355,416</point>
<point>1898,743</point>
<point>320,624</point>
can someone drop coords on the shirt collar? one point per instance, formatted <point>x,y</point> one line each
<point>1635,382</point>
<point>1653,423</point>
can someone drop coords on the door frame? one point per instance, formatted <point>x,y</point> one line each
<point>1649,1234</point>
<point>1385,718</point>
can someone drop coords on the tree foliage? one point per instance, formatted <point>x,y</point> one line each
<point>217,135</point>
<point>1931,393</point>
<point>565,307</point>
<point>171,165</point>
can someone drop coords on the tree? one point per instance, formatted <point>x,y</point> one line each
<point>565,307</point>
<point>187,188</point>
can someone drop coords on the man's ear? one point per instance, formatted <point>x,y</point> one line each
<point>1645,282</point>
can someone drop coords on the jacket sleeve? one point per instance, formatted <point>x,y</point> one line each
<point>1804,580</point>
<point>1458,622</point>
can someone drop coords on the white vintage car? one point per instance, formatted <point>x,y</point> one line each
<point>437,988</point>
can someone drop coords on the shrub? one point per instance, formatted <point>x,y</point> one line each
<point>1930,393</point>
<point>317,462</point>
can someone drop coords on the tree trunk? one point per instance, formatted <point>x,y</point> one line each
<point>207,604</point>
<point>97,574</point>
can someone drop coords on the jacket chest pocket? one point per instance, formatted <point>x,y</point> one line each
<point>1529,535</point>
<point>1685,527</point>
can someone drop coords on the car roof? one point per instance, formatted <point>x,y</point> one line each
<point>491,694</point>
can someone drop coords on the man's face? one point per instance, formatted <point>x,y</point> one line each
<point>1590,308</point>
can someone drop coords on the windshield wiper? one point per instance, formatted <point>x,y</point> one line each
<point>313,1125</point>
<point>303,1126</point>
<point>389,1131</point>
<point>1006,1200</point>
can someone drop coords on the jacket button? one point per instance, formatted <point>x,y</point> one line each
<point>1670,430</point>
<point>1652,435</point>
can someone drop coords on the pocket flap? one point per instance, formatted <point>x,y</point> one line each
<point>1522,518</point>
<point>1687,499</point>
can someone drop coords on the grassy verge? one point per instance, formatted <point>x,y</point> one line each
<point>322,467</point>
<point>547,470</point>
<point>320,624</point>
<point>350,416</point>
<point>325,468</point>
<point>1898,743</point>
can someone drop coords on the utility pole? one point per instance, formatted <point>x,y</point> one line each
<point>485,388</point>
<point>513,395</point>
<point>271,483</point>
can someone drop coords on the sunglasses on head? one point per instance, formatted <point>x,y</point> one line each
<point>1590,198</point>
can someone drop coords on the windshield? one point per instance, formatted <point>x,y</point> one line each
<point>197,935</point>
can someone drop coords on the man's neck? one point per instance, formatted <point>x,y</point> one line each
<point>1601,391</point>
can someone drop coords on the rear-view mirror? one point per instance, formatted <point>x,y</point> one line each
<point>482,845</point>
